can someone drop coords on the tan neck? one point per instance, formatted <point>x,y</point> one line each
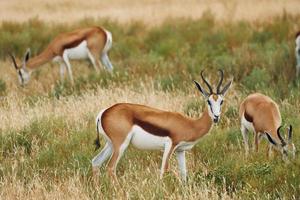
<point>39,60</point>
<point>202,125</point>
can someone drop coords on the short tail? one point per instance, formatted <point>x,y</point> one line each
<point>97,140</point>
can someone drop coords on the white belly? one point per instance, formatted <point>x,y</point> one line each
<point>79,52</point>
<point>141,139</point>
<point>57,59</point>
<point>183,146</point>
<point>248,125</point>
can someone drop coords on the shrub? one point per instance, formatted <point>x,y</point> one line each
<point>258,79</point>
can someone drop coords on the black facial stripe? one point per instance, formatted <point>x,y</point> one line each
<point>211,109</point>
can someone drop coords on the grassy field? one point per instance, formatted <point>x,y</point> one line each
<point>47,128</point>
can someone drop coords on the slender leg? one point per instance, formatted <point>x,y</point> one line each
<point>260,137</point>
<point>270,152</point>
<point>93,61</point>
<point>245,138</point>
<point>69,68</point>
<point>167,153</point>
<point>297,61</point>
<point>111,165</point>
<point>181,164</point>
<point>105,60</point>
<point>106,152</point>
<point>255,142</point>
<point>99,159</point>
<point>99,64</point>
<point>168,158</point>
<point>62,71</point>
<point>293,151</point>
<point>117,154</point>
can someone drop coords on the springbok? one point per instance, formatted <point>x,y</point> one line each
<point>153,129</point>
<point>260,114</point>
<point>297,53</point>
<point>86,43</point>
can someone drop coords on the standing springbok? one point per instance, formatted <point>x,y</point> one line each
<point>153,129</point>
<point>297,53</point>
<point>260,114</point>
<point>86,43</point>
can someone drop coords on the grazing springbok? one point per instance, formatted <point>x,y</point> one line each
<point>297,53</point>
<point>260,114</point>
<point>153,129</point>
<point>86,43</point>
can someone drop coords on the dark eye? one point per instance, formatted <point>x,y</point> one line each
<point>221,102</point>
<point>208,102</point>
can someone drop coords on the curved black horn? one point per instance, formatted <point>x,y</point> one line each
<point>14,61</point>
<point>290,132</point>
<point>220,82</point>
<point>279,136</point>
<point>205,81</point>
<point>270,138</point>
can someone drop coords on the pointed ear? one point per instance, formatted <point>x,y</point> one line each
<point>27,55</point>
<point>226,87</point>
<point>203,92</point>
<point>270,139</point>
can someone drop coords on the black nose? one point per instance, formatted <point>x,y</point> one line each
<point>216,119</point>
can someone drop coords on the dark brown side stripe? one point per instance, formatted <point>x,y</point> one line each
<point>248,117</point>
<point>150,128</point>
<point>74,43</point>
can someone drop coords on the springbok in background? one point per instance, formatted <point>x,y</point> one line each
<point>153,129</point>
<point>297,53</point>
<point>260,114</point>
<point>86,43</point>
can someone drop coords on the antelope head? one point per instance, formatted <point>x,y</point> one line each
<point>214,100</point>
<point>286,146</point>
<point>22,72</point>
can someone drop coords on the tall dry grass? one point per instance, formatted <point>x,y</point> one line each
<point>133,185</point>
